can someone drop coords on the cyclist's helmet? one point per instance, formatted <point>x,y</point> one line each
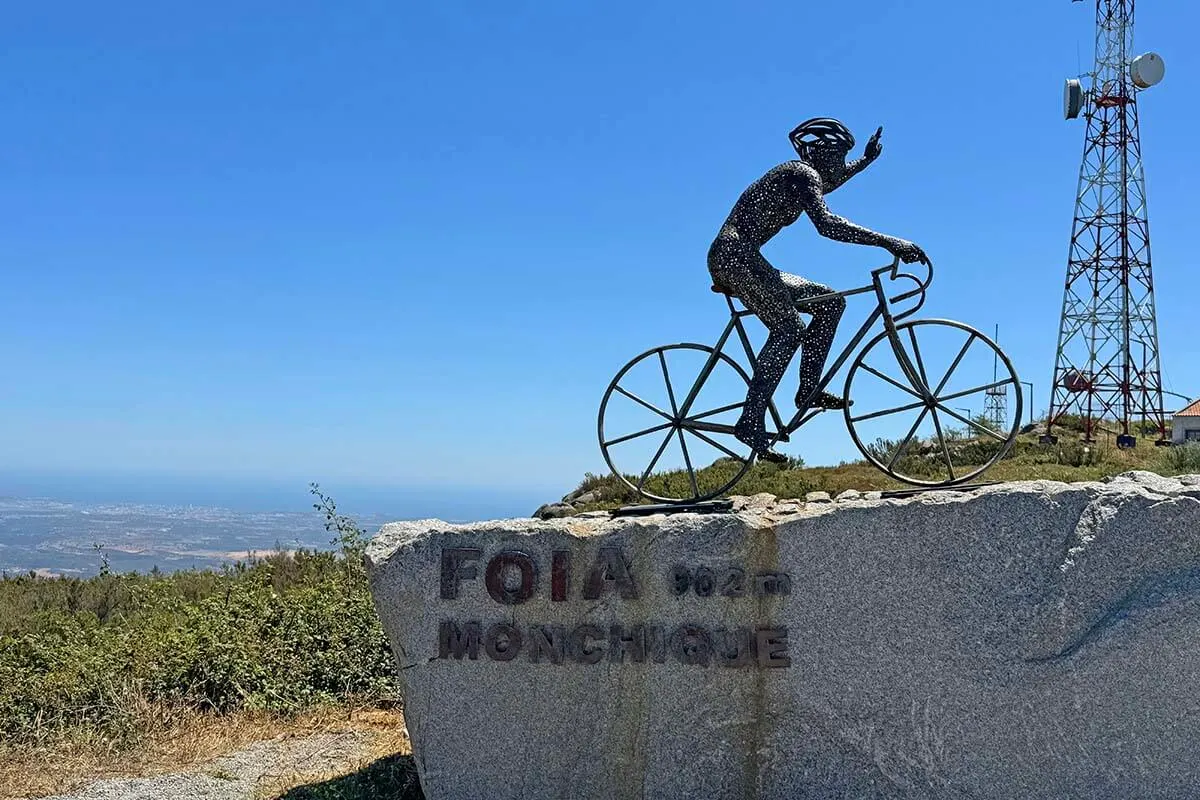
<point>820,131</point>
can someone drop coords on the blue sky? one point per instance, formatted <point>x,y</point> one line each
<point>399,243</point>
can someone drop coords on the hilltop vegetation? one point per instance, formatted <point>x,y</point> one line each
<point>109,662</point>
<point>1069,460</point>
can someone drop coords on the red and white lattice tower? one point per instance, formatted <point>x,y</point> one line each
<point>1107,370</point>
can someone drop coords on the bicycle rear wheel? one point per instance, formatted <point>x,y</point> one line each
<point>931,405</point>
<point>666,424</point>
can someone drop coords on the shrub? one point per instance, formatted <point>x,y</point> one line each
<point>1181,459</point>
<point>112,654</point>
<point>881,449</point>
<point>1077,453</point>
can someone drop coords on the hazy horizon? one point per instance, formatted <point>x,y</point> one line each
<point>411,501</point>
<point>51,523</point>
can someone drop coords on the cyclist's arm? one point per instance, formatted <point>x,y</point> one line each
<point>853,168</point>
<point>840,229</point>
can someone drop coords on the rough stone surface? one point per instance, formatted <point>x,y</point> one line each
<point>1022,640</point>
<point>817,497</point>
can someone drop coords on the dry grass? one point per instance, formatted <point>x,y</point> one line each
<point>1029,461</point>
<point>1033,465</point>
<point>389,738</point>
<point>188,743</point>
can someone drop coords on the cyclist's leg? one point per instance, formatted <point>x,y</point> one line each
<point>818,339</point>
<point>761,288</point>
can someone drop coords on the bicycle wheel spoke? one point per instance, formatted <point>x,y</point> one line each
<point>887,411</point>
<point>892,381</point>
<point>912,336</point>
<point>984,388</point>
<point>687,459</point>
<point>907,366</point>
<point>937,426</point>
<point>637,399</point>
<point>620,439</point>
<point>957,360</point>
<point>973,424</point>
<point>667,379</point>
<point>715,411</point>
<point>904,444</point>
<point>700,379</point>
<point>653,461</point>
<point>715,444</point>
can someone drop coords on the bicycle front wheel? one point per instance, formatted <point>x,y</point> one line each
<point>666,424</point>
<point>937,404</point>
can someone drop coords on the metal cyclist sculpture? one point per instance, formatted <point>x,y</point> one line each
<point>774,201</point>
<point>922,372</point>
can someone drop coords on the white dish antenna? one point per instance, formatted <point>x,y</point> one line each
<point>1072,99</point>
<point>1147,70</point>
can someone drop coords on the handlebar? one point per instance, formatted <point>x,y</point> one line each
<point>892,272</point>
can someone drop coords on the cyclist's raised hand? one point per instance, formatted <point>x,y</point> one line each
<point>908,252</point>
<point>873,148</point>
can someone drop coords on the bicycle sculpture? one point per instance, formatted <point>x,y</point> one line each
<point>909,382</point>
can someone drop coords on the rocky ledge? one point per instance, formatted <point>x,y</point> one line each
<point>1032,639</point>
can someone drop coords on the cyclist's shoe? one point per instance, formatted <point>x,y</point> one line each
<point>757,440</point>
<point>823,400</point>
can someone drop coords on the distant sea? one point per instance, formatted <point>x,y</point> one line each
<point>53,524</point>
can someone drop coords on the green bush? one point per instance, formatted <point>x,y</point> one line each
<point>110,654</point>
<point>1181,459</point>
<point>1149,428</point>
<point>1071,422</point>
<point>1076,453</point>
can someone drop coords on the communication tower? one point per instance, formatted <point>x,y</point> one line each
<point>995,401</point>
<point>1107,367</point>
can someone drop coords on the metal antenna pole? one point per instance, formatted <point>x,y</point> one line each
<point>996,399</point>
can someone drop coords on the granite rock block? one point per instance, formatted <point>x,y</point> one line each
<point>1033,639</point>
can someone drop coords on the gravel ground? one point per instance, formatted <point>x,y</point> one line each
<point>235,776</point>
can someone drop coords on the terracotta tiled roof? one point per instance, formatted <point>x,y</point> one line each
<point>1191,411</point>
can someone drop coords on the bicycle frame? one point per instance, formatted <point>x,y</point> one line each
<point>805,412</point>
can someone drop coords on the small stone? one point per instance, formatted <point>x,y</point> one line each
<point>786,511</point>
<point>756,502</point>
<point>818,497</point>
<point>584,499</point>
<point>554,511</point>
<point>575,495</point>
<point>849,494</point>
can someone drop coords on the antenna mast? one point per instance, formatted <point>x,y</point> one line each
<point>1107,367</point>
<point>995,400</point>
